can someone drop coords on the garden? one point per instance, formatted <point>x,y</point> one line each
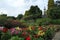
<point>29,33</point>
<point>32,25</point>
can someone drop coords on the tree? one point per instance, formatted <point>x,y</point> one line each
<point>3,19</point>
<point>11,17</point>
<point>19,16</point>
<point>51,9</point>
<point>26,13</point>
<point>50,4</point>
<point>54,13</point>
<point>33,13</point>
<point>4,15</point>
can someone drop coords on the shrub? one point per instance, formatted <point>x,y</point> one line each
<point>13,23</point>
<point>55,21</point>
<point>43,21</point>
<point>16,38</point>
<point>49,34</point>
<point>54,13</point>
<point>5,36</point>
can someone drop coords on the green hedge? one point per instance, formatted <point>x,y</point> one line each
<point>55,21</point>
<point>43,21</point>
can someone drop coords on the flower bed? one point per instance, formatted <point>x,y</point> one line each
<point>29,33</point>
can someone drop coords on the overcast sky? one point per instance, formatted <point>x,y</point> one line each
<point>15,7</point>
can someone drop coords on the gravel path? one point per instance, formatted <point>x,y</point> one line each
<point>57,36</point>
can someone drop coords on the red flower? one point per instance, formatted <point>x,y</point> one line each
<point>40,28</point>
<point>5,30</point>
<point>28,38</point>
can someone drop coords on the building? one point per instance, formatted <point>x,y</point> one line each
<point>58,2</point>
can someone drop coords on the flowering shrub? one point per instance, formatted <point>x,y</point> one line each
<point>29,33</point>
<point>13,23</point>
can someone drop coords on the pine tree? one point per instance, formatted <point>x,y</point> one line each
<point>50,4</point>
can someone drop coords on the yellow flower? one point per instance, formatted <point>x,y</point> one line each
<point>17,28</point>
<point>29,28</point>
<point>41,33</point>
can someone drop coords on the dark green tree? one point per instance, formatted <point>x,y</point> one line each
<point>54,13</point>
<point>19,16</point>
<point>53,10</point>
<point>11,17</point>
<point>4,15</point>
<point>26,13</point>
<point>3,19</point>
<point>33,13</point>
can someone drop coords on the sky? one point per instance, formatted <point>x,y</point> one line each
<point>15,7</point>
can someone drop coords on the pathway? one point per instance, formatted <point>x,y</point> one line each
<point>57,36</point>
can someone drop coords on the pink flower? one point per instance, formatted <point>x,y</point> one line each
<point>16,32</point>
<point>12,30</point>
<point>1,28</point>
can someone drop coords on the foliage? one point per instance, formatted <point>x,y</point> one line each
<point>53,10</point>
<point>43,21</point>
<point>13,23</point>
<point>4,15</point>
<point>54,13</point>
<point>55,21</point>
<point>33,13</point>
<point>6,36</point>
<point>3,19</point>
<point>11,17</point>
<point>19,16</point>
<point>50,4</point>
<point>16,38</point>
<point>49,34</point>
<point>31,33</point>
<point>50,7</point>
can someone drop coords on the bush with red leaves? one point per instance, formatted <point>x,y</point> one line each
<point>14,23</point>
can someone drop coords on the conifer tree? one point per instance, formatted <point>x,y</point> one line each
<point>50,4</point>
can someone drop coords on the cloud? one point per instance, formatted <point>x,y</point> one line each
<point>3,11</point>
<point>15,3</point>
<point>15,7</point>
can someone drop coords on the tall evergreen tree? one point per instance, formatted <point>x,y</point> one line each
<point>50,4</point>
<point>53,10</point>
